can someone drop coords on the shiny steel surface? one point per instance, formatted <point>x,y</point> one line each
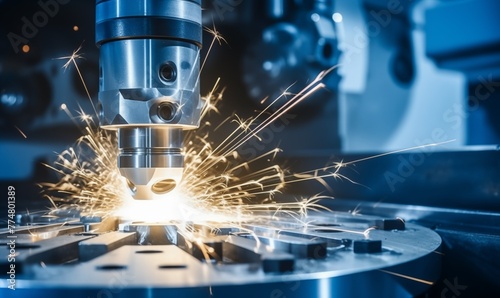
<point>174,9</point>
<point>150,147</point>
<point>132,89</point>
<point>149,85</point>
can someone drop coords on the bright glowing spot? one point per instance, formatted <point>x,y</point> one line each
<point>63,106</point>
<point>85,117</point>
<point>26,48</point>
<point>75,28</point>
<point>325,289</point>
<point>315,17</point>
<point>174,206</point>
<point>337,17</point>
<point>11,99</point>
<point>268,65</point>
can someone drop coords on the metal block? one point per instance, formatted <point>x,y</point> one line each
<point>212,247</point>
<point>47,231</point>
<point>367,246</point>
<point>389,224</point>
<point>247,250</point>
<point>104,243</point>
<point>59,250</point>
<point>299,247</point>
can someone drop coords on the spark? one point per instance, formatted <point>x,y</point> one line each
<point>72,60</point>
<point>86,118</point>
<point>90,180</point>
<point>357,209</point>
<point>21,132</point>
<point>241,135</point>
<point>244,124</point>
<point>409,277</point>
<point>401,150</point>
<point>338,165</point>
<point>216,37</point>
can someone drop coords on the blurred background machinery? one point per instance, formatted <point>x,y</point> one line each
<point>410,73</point>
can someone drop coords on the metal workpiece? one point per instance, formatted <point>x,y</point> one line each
<point>298,247</point>
<point>388,224</point>
<point>46,231</point>
<point>104,243</point>
<point>272,260</point>
<point>168,260</point>
<point>205,249</point>
<point>58,250</point>
<point>367,246</point>
<point>149,87</point>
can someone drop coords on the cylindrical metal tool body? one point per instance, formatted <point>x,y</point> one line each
<point>149,83</point>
